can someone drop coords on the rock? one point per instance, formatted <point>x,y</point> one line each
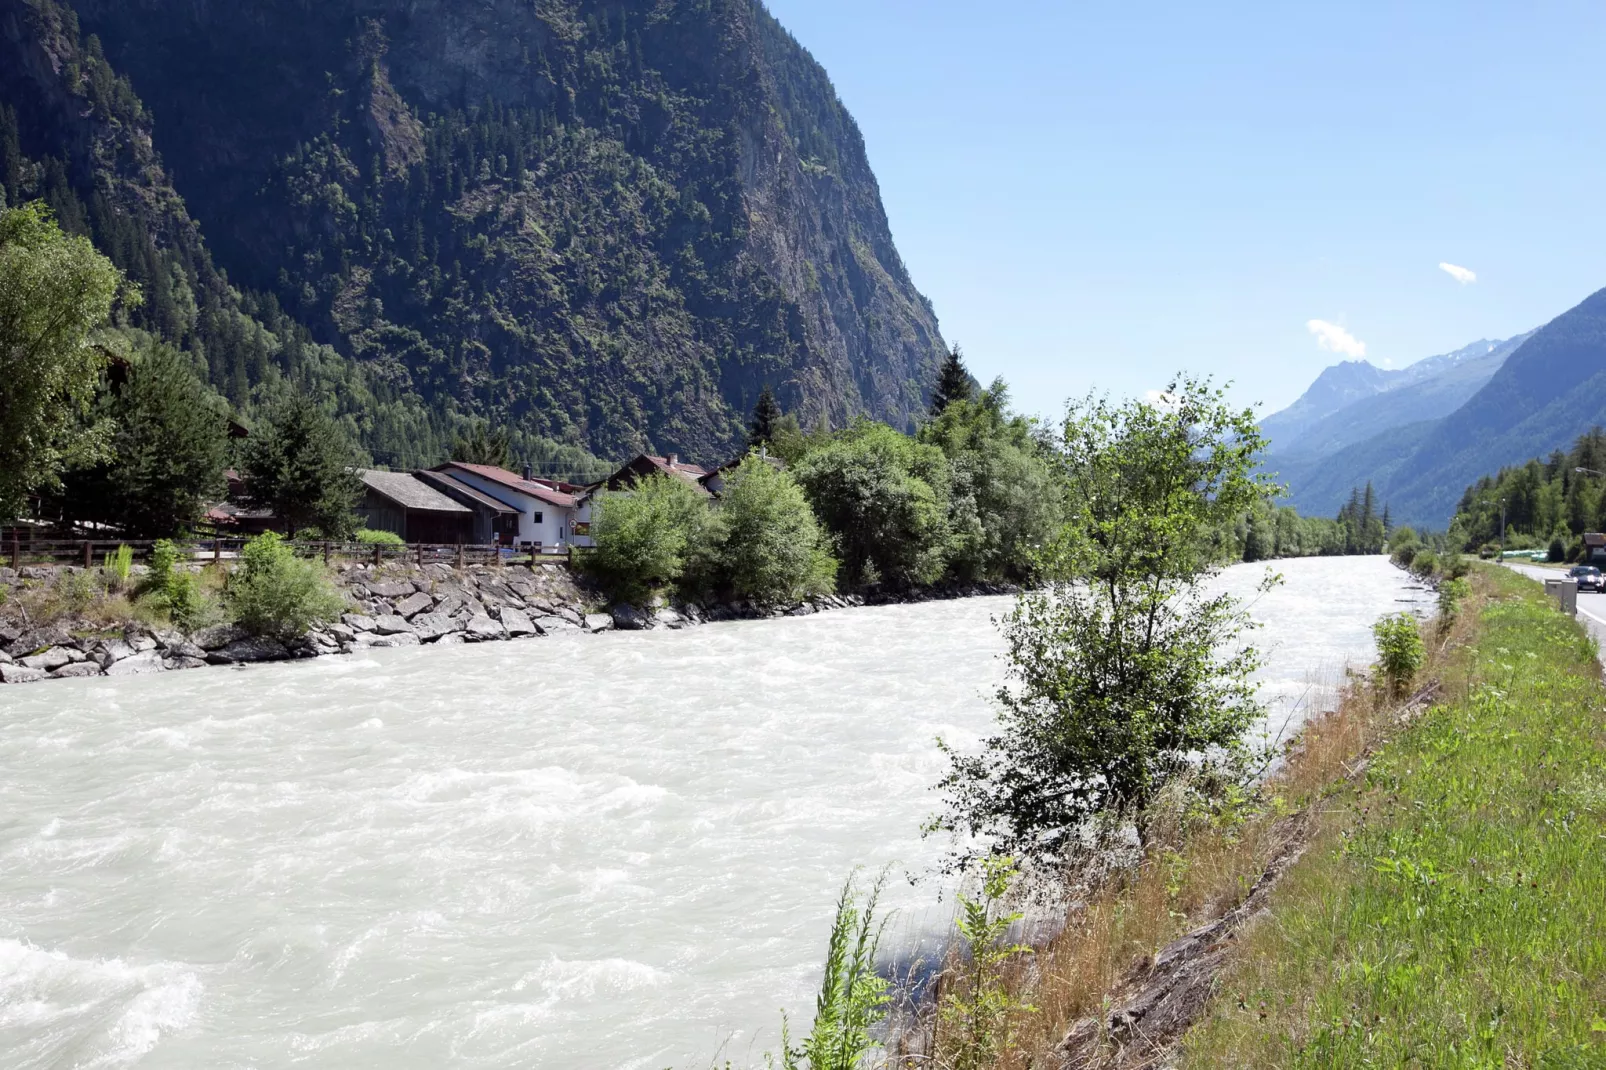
<point>75,669</point>
<point>450,639</point>
<point>136,665</point>
<point>5,659</point>
<point>670,618</point>
<point>341,632</point>
<point>628,618</point>
<point>49,660</point>
<point>110,651</point>
<point>175,664</point>
<point>392,626</point>
<point>384,642</point>
<point>598,622</point>
<point>482,627</point>
<point>184,649</point>
<point>517,622</point>
<point>431,626</point>
<point>383,589</point>
<point>255,648</point>
<point>413,604</point>
<point>358,622</point>
<point>143,643</point>
<point>554,625</point>
<point>19,674</point>
<point>217,636</point>
<point>38,640</point>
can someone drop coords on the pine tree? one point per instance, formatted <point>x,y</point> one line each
<point>953,383</point>
<point>766,417</point>
<point>300,466</point>
<point>482,446</point>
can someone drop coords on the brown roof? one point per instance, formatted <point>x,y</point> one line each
<point>409,492</point>
<point>1594,538</point>
<point>513,481</point>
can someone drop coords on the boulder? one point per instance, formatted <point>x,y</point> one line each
<point>37,640</point>
<point>49,660</point>
<point>598,622</point>
<point>628,618</point>
<point>255,648</point>
<point>110,651</point>
<point>217,636</point>
<point>391,626</point>
<point>75,669</point>
<point>19,674</point>
<point>431,626</point>
<point>517,622</point>
<point>554,625</point>
<point>389,589</point>
<point>184,649</point>
<point>414,604</point>
<point>142,643</point>
<point>451,639</point>
<point>341,632</point>
<point>175,664</point>
<point>481,627</point>
<point>671,618</point>
<point>6,659</point>
<point>136,665</point>
<point>358,622</point>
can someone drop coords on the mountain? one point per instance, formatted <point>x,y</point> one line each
<point>605,223</point>
<point>1548,390</point>
<point>1352,401</point>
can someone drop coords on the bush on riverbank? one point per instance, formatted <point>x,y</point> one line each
<point>278,595</point>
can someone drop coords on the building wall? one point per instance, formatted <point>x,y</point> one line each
<point>551,529</point>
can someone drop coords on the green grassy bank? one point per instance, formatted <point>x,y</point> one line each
<point>1451,911</point>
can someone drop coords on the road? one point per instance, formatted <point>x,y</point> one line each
<point>1591,606</point>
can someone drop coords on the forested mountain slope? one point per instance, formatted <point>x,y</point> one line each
<point>605,224</point>
<point>1547,392</point>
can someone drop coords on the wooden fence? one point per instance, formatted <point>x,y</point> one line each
<point>20,548</point>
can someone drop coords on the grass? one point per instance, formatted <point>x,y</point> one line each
<point>1451,911</point>
<point>1200,864</point>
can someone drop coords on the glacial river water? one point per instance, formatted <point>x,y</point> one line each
<point>609,851</point>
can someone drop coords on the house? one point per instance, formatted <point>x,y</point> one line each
<point>714,482</point>
<point>546,515</point>
<point>647,464</point>
<point>1594,548</point>
<point>495,520</point>
<point>412,508</point>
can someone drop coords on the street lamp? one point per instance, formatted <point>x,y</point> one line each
<point>1587,472</point>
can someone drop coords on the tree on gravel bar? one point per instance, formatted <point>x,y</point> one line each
<point>1124,670</point>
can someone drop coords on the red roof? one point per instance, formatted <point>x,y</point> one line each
<point>514,481</point>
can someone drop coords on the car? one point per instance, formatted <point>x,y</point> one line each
<point>1588,577</point>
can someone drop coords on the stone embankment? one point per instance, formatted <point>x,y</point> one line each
<point>391,606</point>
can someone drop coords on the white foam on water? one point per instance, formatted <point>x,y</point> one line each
<point>618,851</point>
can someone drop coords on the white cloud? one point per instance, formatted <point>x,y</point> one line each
<point>1335,339</point>
<point>1459,273</point>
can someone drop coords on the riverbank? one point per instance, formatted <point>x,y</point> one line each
<point>1420,877</point>
<point>392,605</point>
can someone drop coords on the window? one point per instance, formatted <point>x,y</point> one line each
<point>536,516</point>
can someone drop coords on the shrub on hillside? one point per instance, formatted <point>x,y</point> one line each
<point>373,537</point>
<point>1557,551</point>
<point>279,595</point>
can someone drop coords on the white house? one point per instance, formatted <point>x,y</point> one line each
<point>547,515</point>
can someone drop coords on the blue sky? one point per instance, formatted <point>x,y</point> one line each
<point>1095,196</point>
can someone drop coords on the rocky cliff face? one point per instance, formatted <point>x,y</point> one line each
<point>603,223</point>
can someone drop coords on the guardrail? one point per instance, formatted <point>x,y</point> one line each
<point>19,551</point>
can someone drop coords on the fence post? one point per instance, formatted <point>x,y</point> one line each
<point>16,550</point>
<point>217,550</point>
<point>89,553</point>
<point>496,549</point>
<point>377,552</point>
<point>420,555</point>
<point>460,557</point>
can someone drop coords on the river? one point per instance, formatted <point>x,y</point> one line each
<point>587,851</point>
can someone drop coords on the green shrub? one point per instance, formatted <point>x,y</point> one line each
<point>853,997</point>
<point>1452,592</point>
<point>979,1014</point>
<point>1405,555</point>
<point>76,590</point>
<point>1399,650</point>
<point>373,537</point>
<point>770,547</point>
<point>117,566</point>
<point>164,558</point>
<point>1425,564</point>
<point>278,595</point>
<point>646,536</point>
<point>1489,550</point>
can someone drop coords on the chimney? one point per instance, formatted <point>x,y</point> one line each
<point>527,473</point>
<point>674,459</point>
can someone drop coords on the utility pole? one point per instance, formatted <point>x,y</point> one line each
<point>1502,529</point>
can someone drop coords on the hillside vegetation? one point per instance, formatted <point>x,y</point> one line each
<point>604,225</point>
